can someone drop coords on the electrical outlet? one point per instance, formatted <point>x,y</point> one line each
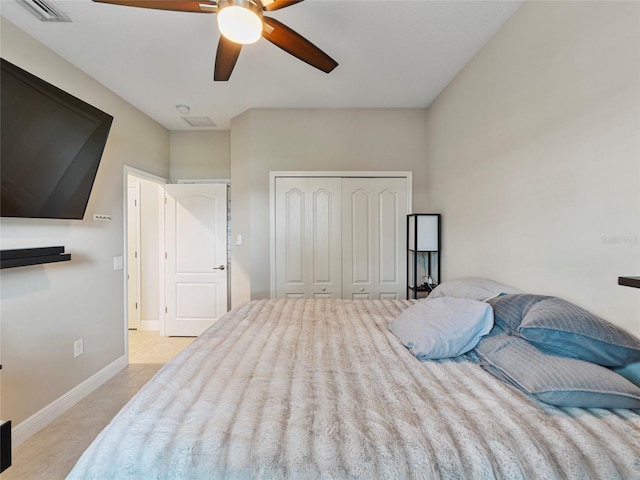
<point>78,348</point>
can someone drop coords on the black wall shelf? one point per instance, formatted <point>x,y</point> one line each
<point>22,257</point>
<point>629,281</point>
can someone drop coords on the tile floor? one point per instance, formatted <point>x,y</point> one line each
<point>149,347</point>
<point>51,453</point>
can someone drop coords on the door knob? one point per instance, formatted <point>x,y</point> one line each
<point>362,289</point>
<point>221,267</point>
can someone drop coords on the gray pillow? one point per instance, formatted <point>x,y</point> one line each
<point>480,289</point>
<point>564,328</point>
<point>560,327</point>
<point>561,381</point>
<point>442,328</point>
<point>508,310</point>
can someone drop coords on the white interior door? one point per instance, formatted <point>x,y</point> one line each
<point>133,256</point>
<point>374,238</point>
<point>307,230</point>
<point>196,257</point>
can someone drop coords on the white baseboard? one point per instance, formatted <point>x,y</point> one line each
<point>150,325</point>
<point>36,422</point>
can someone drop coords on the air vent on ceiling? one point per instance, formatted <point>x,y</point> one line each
<point>45,10</point>
<point>199,121</point>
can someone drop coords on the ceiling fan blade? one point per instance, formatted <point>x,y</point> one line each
<point>278,4</point>
<point>226,58</point>
<point>196,6</point>
<point>298,46</point>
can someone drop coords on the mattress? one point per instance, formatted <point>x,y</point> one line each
<point>321,389</point>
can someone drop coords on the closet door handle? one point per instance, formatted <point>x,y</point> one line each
<point>221,267</point>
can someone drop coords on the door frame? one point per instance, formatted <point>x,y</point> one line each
<point>134,261</point>
<point>161,181</point>
<point>408,175</point>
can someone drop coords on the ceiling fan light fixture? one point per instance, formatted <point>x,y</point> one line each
<point>240,21</point>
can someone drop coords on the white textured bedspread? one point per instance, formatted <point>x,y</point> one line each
<point>306,389</point>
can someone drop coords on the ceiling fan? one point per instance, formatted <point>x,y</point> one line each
<point>242,22</point>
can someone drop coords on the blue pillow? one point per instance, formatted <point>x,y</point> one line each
<point>561,381</point>
<point>631,372</point>
<point>560,327</point>
<point>508,310</point>
<point>566,329</point>
<point>443,327</point>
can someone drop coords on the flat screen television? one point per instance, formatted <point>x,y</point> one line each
<point>52,143</point>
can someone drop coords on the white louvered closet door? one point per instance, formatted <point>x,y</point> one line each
<point>374,238</point>
<point>308,237</point>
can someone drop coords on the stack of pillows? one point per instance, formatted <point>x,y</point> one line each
<point>545,346</point>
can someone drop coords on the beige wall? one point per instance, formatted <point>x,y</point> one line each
<point>534,157</point>
<point>240,269</point>
<point>45,308</point>
<point>199,155</point>
<point>267,140</point>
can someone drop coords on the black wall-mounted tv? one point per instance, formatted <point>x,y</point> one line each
<point>52,143</point>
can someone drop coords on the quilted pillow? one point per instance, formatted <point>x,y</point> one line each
<point>564,328</point>
<point>560,327</point>
<point>479,289</point>
<point>508,310</point>
<point>442,328</point>
<point>561,381</point>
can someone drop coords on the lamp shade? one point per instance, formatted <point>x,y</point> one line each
<point>427,229</point>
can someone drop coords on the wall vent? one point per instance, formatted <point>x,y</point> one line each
<point>199,121</point>
<point>45,10</point>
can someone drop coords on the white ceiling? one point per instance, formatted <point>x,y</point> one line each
<point>391,53</point>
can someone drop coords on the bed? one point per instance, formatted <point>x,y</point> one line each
<point>321,389</point>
